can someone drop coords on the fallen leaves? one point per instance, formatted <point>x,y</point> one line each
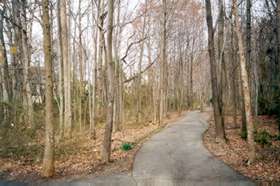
<point>235,152</point>
<point>80,155</point>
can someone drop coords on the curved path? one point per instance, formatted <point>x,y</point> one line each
<point>176,156</point>
<point>173,157</point>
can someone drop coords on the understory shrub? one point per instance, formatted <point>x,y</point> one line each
<point>243,134</point>
<point>127,146</point>
<point>263,138</point>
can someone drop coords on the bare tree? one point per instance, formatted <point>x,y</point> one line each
<point>66,67</point>
<point>163,64</point>
<point>106,151</point>
<point>244,83</point>
<point>220,133</point>
<point>143,32</point>
<point>278,28</point>
<point>27,101</point>
<point>221,56</point>
<point>48,160</point>
<point>4,59</point>
<point>61,71</point>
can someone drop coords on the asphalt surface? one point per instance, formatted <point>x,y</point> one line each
<point>173,157</point>
<point>176,156</point>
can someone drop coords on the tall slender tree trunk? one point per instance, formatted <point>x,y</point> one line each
<point>244,84</point>
<point>191,75</point>
<point>118,72</point>
<point>220,132</point>
<point>242,106</point>
<point>180,79</point>
<point>152,82</point>
<point>4,61</point>
<point>5,88</point>
<point>66,68</point>
<point>3,120</point>
<point>117,96</point>
<point>249,62</point>
<point>221,56</point>
<point>234,78</point>
<point>48,159</point>
<point>139,100</point>
<point>81,69</point>
<point>278,30</point>
<point>60,83</point>
<point>100,53</point>
<point>106,151</point>
<point>163,65</point>
<point>248,33</point>
<point>26,58</point>
<point>151,76</point>
<point>16,44</point>
<point>93,104</point>
<point>121,98</point>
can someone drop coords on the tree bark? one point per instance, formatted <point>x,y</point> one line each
<point>139,100</point>
<point>81,69</point>
<point>244,84</point>
<point>16,56</point>
<point>48,159</point>
<point>278,30</point>
<point>278,41</point>
<point>100,54</point>
<point>66,68</point>
<point>249,61</point>
<point>106,151</point>
<point>220,132</point>
<point>60,83</point>
<point>221,56</point>
<point>27,59</point>
<point>234,78</point>
<point>4,61</point>
<point>191,101</point>
<point>118,72</point>
<point>163,65</point>
<point>93,101</point>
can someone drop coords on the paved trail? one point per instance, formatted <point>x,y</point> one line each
<point>176,156</point>
<point>173,157</point>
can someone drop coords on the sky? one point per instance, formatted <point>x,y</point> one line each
<point>132,4</point>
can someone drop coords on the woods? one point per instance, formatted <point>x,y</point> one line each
<point>77,77</point>
<point>85,67</point>
<point>234,44</point>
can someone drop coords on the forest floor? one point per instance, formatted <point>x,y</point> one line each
<point>266,168</point>
<point>80,156</point>
<point>173,156</point>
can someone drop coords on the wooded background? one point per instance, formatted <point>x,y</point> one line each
<point>71,67</point>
